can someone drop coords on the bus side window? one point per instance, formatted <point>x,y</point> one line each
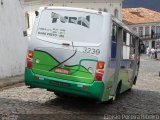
<point>132,41</point>
<point>114,32</point>
<point>139,48</point>
<point>126,47</point>
<point>114,41</point>
<point>132,47</point>
<point>124,37</point>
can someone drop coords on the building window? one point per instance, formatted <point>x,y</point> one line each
<point>158,29</point>
<point>134,29</point>
<point>153,28</point>
<point>140,31</point>
<point>153,31</point>
<point>116,13</point>
<point>105,10</point>
<point>100,9</point>
<point>147,30</point>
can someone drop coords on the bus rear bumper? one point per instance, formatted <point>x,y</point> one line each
<point>94,90</point>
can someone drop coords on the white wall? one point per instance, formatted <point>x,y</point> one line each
<point>13,45</point>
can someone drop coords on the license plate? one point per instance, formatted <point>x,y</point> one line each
<point>61,70</point>
<point>59,83</point>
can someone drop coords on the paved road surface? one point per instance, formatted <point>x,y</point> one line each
<point>143,99</point>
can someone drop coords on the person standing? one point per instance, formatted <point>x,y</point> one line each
<point>148,51</point>
<point>152,53</point>
<point>155,52</point>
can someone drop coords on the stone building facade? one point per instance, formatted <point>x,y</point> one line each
<point>146,23</point>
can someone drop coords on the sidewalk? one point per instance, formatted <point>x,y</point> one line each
<point>11,81</point>
<point>145,57</point>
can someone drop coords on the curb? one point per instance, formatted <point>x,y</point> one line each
<point>9,81</point>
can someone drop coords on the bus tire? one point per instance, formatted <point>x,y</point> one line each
<point>129,90</point>
<point>118,90</point>
<point>117,94</point>
<point>135,80</point>
<point>59,95</point>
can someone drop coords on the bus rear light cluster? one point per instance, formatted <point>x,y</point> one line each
<point>100,65</point>
<point>99,71</point>
<point>29,59</point>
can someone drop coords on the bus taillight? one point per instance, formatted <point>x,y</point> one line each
<point>30,54</point>
<point>29,59</point>
<point>100,65</point>
<point>99,71</point>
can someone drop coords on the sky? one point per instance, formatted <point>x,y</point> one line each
<point>150,4</point>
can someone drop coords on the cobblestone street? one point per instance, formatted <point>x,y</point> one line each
<point>144,98</point>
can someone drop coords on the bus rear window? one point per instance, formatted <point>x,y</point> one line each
<point>70,25</point>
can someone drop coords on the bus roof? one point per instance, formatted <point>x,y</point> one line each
<point>75,9</point>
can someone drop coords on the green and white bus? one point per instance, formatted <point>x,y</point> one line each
<point>81,52</point>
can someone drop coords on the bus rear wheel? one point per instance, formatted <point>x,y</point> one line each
<point>118,90</point>
<point>135,80</point>
<point>59,95</point>
<point>117,94</point>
